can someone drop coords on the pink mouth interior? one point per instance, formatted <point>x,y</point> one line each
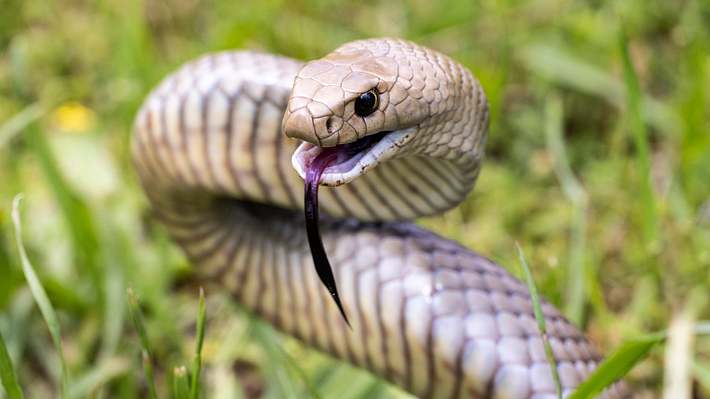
<point>331,156</point>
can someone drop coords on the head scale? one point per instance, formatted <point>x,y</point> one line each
<point>424,104</point>
<point>322,107</point>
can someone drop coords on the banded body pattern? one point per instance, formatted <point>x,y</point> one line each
<point>427,314</point>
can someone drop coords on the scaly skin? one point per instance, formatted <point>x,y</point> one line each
<point>427,314</point>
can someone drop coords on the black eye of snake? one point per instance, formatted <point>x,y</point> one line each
<point>366,103</point>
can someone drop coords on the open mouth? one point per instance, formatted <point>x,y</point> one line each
<point>333,166</point>
<point>343,163</point>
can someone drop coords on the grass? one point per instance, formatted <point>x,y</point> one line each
<point>577,270</point>
<point>41,298</point>
<point>641,146</point>
<point>137,319</point>
<point>597,160</point>
<point>185,385</point>
<point>197,360</point>
<point>7,373</point>
<point>617,365</point>
<point>540,318</point>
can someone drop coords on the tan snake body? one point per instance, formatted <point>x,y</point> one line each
<point>426,313</point>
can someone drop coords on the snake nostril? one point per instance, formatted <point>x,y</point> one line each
<point>333,124</point>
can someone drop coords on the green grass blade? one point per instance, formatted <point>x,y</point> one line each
<point>7,373</point>
<point>640,136</point>
<point>197,362</point>
<point>285,370</point>
<point>40,296</point>
<point>576,293</point>
<point>115,260</point>
<point>346,383</point>
<point>100,374</point>
<point>19,122</point>
<point>181,384</point>
<point>137,318</point>
<point>75,211</point>
<point>149,374</point>
<point>113,302</point>
<point>18,315</point>
<point>537,308</point>
<point>561,66</point>
<point>617,365</point>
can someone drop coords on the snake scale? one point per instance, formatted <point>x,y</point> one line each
<point>221,148</point>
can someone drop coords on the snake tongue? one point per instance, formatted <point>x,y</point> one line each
<point>320,258</point>
<point>315,166</point>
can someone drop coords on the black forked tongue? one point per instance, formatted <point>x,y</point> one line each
<point>314,171</point>
<point>320,258</point>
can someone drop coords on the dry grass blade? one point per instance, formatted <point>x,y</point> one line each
<point>40,296</point>
<point>678,357</point>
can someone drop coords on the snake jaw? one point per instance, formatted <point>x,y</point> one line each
<point>351,160</point>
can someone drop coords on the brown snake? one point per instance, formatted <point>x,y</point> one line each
<point>427,314</point>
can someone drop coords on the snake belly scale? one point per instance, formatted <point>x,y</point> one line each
<point>219,146</point>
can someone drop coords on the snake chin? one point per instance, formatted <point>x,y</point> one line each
<point>351,160</point>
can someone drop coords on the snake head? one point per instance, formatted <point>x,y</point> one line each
<point>368,99</point>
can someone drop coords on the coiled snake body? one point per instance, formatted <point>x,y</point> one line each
<point>426,313</point>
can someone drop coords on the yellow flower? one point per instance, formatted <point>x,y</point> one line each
<point>73,117</point>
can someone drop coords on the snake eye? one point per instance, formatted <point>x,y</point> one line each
<point>367,103</point>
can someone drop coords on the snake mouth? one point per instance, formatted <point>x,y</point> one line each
<point>346,162</point>
<point>333,166</point>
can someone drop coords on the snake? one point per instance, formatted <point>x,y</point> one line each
<point>388,131</point>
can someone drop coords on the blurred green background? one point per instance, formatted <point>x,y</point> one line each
<point>599,170</point>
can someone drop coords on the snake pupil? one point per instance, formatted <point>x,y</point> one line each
<point>366,103</point>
